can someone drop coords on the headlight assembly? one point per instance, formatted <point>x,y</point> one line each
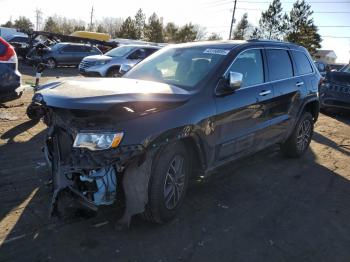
<point>102,62</point>
<point>98,141</point>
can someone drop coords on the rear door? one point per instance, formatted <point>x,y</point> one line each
<point>66,55</point>
<point>287,87</point>
<point>242,117</point>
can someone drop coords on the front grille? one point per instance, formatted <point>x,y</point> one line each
<point>339,89</point>
<point>86,64</point>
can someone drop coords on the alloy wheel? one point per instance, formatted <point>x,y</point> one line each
<point>174,182</point>
<point>304,135</point>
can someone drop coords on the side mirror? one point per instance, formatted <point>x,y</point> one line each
<point>228,85</point>
<point>235,80</point>
<point>124,68</point>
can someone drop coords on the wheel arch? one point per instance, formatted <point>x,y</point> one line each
<point>313,107</point>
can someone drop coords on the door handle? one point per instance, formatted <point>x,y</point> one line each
<point>299,83</point>
<point>265,92</point>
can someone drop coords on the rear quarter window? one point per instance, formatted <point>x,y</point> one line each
<point>280,65</point>
<point>302,62</point>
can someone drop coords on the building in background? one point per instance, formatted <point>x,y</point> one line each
<point>325,56</point>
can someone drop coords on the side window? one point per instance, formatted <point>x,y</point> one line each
<point>321,67</point>
<point>80,49</point>
<point>138,54</point>
<point>68,48</point>
<point>302,62</point>
<point>150,51</point>
<point>250,64</point>
<point>280,66</point>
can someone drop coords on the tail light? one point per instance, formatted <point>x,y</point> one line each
<point>7,52</point>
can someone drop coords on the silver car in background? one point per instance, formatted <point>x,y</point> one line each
<point>108,65</point>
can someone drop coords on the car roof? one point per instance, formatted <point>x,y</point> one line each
<point>231,44</point>
<point>143,46</point>
<point>68,43</point>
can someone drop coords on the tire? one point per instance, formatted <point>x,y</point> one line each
<point>33,112</point>
<point>51,63</point>
<point>299,141</point>
<point>113,72</point>
<point>164,200</point>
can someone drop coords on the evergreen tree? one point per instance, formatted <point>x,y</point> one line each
<point>214,36</point>
<point>140,21</point>
<point>51,25</point>
<point>301,28</point>
<point>271,23</point>
<point>154,29</point>
<point>23,24</point>
<point>128,29</point>
<point>8,24</point>
<point>187,33</point>
<point>241,31</point>
<point>170,32</point>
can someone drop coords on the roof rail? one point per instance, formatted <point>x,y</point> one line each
<point>268,40</point>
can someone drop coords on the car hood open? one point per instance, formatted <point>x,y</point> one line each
<point>101,94</point>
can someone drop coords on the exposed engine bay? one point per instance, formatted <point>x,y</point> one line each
<point>92,176</point>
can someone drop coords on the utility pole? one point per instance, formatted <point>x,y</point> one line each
<point>91,16</point>
<point>233,19</point>
<point>38,17</point>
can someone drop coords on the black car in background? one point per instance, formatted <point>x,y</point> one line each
<point>21,44</point>
<point>65,54</point>
<point>177,115</point>
<point>335,90</point>
<point>10,78</point>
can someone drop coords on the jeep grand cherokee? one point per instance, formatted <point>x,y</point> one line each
<point>182,112</point>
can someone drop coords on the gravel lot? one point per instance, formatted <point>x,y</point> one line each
<point>264,208</point>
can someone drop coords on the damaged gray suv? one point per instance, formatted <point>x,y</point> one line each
<point>177,115</point>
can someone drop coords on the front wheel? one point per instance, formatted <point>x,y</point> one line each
<point>168,183</point>
<point>113,72</point>
<point>299,141</point>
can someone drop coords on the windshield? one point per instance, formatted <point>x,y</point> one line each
<point>184,67</point>
<point>345,69</point>
<point>120,51</point>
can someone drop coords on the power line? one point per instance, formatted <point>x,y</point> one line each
<point>318,12</point>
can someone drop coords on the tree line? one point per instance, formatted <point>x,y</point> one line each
<point>297,26</point>
<point>137,27</point>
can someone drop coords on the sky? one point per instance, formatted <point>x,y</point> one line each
<point>214,15</point>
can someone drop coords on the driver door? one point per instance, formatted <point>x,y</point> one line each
<point>243,116</point>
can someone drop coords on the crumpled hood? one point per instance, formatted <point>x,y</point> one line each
<point>97,58</point>
<point>103,93</point>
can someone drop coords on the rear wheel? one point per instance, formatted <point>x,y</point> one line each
<point>300,139</point>
<point>168,183</point>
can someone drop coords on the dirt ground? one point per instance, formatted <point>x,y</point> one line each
<point>263,208</point>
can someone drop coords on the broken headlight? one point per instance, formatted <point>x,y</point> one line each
<point>98,141</point>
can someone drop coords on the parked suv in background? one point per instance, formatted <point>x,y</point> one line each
<point>10,78</point>
<point>335,89</point>
<point>66,54</point>
<point>109,63</point>
<point>179,114</point>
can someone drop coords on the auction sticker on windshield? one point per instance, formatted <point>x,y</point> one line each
<point>216,51</point>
